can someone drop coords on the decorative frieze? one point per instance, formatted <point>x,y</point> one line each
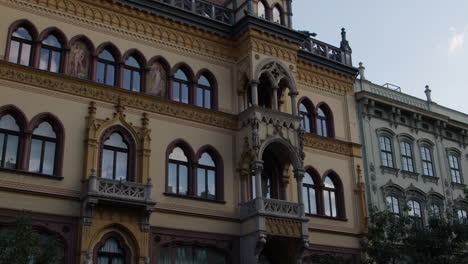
<point>283,227</point>
<point>332,145</point>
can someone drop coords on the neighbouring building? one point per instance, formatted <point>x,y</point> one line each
<point>178,131</point>
<point>415,152</point>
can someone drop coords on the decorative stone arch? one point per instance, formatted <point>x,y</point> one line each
<point>392,189</point>
<point>117,58</point>
<point>293,154</point>
<point>383,131</point>
<point>425,142</point>
<point>413,193</point>
<point>124,236</point>
<point>405,137</point>
<point>274,67</point>
<point>139,135</point>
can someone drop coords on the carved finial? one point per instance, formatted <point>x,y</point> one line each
<point>343,34</point>
<point>344,45</point>
<point>428,93</point>
<point>359,173</point>
<point>144,120</point>
<point>93,172</point>
<point>362,70</point>
<point>148,180</point>
<point>92,108</point>
<point>119,107</point>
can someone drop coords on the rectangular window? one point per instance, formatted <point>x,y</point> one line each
<point>127,79</point>
<point>172,185</point>
<point>25,54</point>
<point>107,169</point>
<point>121,166</point>
<point>200,97</point>
<point>49,158</point>
<point>35,157</point>
<point>201,182</point>
<point>101,67</point>
<point>55,62</point>
<point>14,51</point>
<point>11,152</point>
<point>426,157</point>
<point>44,59</point>
<point>386,151</point>
<point>110,78</point>
<point>455,169</point>
<point>183,180</point>
<point>406,157</point>
<point>136,81</point>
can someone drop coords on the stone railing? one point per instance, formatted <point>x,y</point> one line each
<point>203,8</point>
<point>271,207</point>
<point>324,50</point>
<point>120,190</point>
<point>269,116</point>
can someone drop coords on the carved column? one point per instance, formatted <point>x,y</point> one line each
<point>258,168</point>
<point>275,98</point>
<point>254,90</point>
<point>293,96</point>
<point>299,175</point>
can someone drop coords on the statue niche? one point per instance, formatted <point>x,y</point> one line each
<point>157,80</point>
<point>79,60</point>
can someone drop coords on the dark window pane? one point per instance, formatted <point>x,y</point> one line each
<point>55,62</point>
<point>110,78</point>
<point>127,79</point>
<point>11,152</point>
<point>44,60</point>
<point>200,97</point>
<point>172,181</point>
<point>201,182</point>
<point>185,96</point>
<point>121,166</point>
<point>49,158</point>
<point>107,169</point>
<point>100,72</point>
<point>14,51</point>
<point>183,179</point>
<point>211,185</point>
<point>35,157</point>
<point>176,92</point>
<point>208,99</point>
<point>136,81</point>
<point>2,138</point>
<point>25,54</point>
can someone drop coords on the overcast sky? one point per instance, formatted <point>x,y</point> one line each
<point>409,43</point>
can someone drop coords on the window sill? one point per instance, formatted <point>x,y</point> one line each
<point>28,173</point>
<point>410,174</point>
<point>458,186</point>
<point>389,170</point>
<point>327,217</point>
<point>432,179</point>
<point>194,198</point>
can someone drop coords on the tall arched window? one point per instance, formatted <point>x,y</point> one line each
<point>204,92</point>
<point>105,72</point>
<point>393,204</point>
<point>329,195</point>
<point>181,87</point>
<point>111,253</point>
<point>9,142</point>
<point>51,54</point>
<point>132,76</point>
<point>455,169</point>
<point>276,15</point>
<point>178,172</point>
<point>415,212</point>
<point>42,157</point>
<point>324,121</point>
<point>386,152</point>
<point>426,158</point>
<point>261,9</point>
<point>309,191</point>
<point>115,158</point>
<point>306,113</point>
<point>434,210</point>
<point>21,46</point>
<point>462,216</point>
<point>406,156</point>
<point>206,177</point>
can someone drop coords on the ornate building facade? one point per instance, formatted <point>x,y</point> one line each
<point>415,152</point>
<point>178,131</point>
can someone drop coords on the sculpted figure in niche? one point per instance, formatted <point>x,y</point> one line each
<point>79,60</point>
<point>157,80</point>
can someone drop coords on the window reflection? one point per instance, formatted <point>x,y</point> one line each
<point>322,123</point>
<point>51,51</point>
<point>111,253</point>
<point>180,88</point>
<point>43,148</point>
<point>329,195</point>
<point>206,177</point>
<point>9,142</point>
<point>132,75</point>
<point>308,191</point>
<point>20,47</point>
<point>178,172</point>
<point>105,72</point>
<point>204,93</point>
<point>115,158</point>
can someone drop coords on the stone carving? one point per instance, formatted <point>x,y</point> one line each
<point>282,208</point>
<point>79,60</point>
<point>332,145</point>
<point>283,227</point>
<point>157,80</point>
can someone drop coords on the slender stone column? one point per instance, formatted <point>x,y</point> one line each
<point>294,102</point>
<point>299,175</point>
<point>258,168</point>
<point>275,98</point>
<point>254,88</point>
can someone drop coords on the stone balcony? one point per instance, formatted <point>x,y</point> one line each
<point>273,208</point>
<point>269,117</point>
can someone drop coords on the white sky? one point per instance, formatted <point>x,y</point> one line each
<point>406,43</point>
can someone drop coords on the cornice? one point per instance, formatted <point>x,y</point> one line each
<point>41,190</point>
<point>332,145</point>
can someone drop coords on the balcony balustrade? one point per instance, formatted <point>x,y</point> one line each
<point>272,208</point>
<point>203,8</point>
<point>324,50</point>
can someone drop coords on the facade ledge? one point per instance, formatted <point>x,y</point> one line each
<point>194,198</point>
<point>458,186</point>
<point>432,179</point>
<point>389,170</point>
<point>409,174</point>
<point>332,145</point>
<point>327,217</point>
<point>34,174</point>
<point>272,208</point>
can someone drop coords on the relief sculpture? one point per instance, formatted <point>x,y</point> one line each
<point>157,80</point>
<point>79,60</point>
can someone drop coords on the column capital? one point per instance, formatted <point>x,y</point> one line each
<point>299,174</point>
<point>254,82</point>
<point>293,93</point>
<point>257,164</point>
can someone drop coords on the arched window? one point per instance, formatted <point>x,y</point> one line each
<point>462,216</point>
<point>276,15</point>
<point>206,177</point>
<point>178,172</point>
<point>42,158</point>
<point>434,210</point>
<point>415,212</point>
<point>454,165</point>
<point>386,152</point>
<point>111,253</point>
<point>9,142</point>
<point>105,72</point>
<point>187,254</point>
<point>132,76</point>
<point>426,158</point>
<point>261,10</point>
<point>309,191</point>
<point>180,87</point>
<point>21,46</point>
<point>393,204</point>
<point>324,122</point>
<point>329,195</point>
<point>115,158</point>
<point>406,156</point>
<point>51,54</point>
<point>204,92</point>
<point>306,114</point>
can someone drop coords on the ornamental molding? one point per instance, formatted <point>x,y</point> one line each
<point>332,145</point>
<point>283,227</point>
<point>124,19</point>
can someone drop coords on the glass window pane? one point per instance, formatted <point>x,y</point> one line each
<point>313,202</point>
<point>22,33</point>
<point>178,154</point>
<point>206,160</point>
<point>185,94</point>
<point>25,54</point>
<point>2,139</point>
<point>211,184</point>
<point>100,72</point>
<point>132,62</point>
<point>35,156</point>
<point>333,204</point>
<point>55,62</point>
<point>49,158</point>
<point>276,15</point>
<point>261,10</point>
<point>208,99</point>
<point>51,40</point>
<point>11,151</point>
<point>127,79</point>
<point>121,166</point>
<point>116,140</point>
<point>110,77</point>
<point>45,130</point>
<point>136,81</point>
<point>308,179</point>
<point>184,256</point>
<point>176,92</point>
<point>201,256</point>
<point>326,195</point>
<point>44,59</point>
<point>183,179</point>
<point>180,75</point>
<point>203,81</point>
<point>106,55</point>
<point>305,196</point>
<point>164,256</point>
<point>329,183</point>
<point>107,168</point>
<point>8,122</point>
<point>307,124</point>
<point>172,181</point>
<point>201,182</point>
<point>200,97</point>
<point>14,51</point>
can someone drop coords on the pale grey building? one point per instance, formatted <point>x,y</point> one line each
<point>415,151</point>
